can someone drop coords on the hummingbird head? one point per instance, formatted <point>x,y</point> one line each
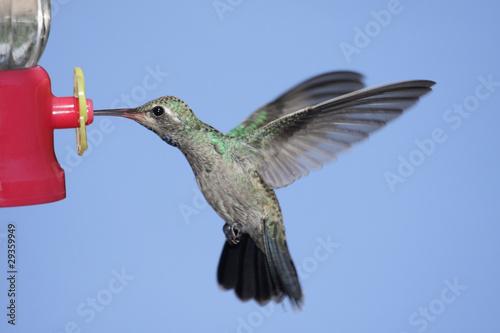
<point>167,116</point>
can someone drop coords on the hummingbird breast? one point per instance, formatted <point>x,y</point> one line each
<point>234,189</point>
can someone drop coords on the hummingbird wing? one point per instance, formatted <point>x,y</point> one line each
<point>292,146</point>
<point>311,92</point>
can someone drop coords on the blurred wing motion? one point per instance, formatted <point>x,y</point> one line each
<point>292,146</point>
<point>308,93</point>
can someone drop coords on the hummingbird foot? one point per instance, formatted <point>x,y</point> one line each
<point>233,233</point>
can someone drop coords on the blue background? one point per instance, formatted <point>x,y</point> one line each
<point>133,207</point>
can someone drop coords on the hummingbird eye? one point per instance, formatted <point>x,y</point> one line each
<point>158,111</point>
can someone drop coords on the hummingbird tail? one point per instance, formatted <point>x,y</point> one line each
<point>255,275</point>
<point>244,268</point>
<point>282,269</point>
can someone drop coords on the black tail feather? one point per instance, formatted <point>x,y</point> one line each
<point>227,273</point>
<point>246,284</point>
<point>283,272</point>
<point>245,268</point>
<point>265,286</point>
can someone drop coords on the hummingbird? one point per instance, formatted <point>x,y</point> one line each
<point>282,141</point>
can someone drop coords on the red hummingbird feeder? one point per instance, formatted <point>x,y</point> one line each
<point>29,113</point>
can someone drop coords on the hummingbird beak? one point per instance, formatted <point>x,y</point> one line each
<point>133,114</point>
